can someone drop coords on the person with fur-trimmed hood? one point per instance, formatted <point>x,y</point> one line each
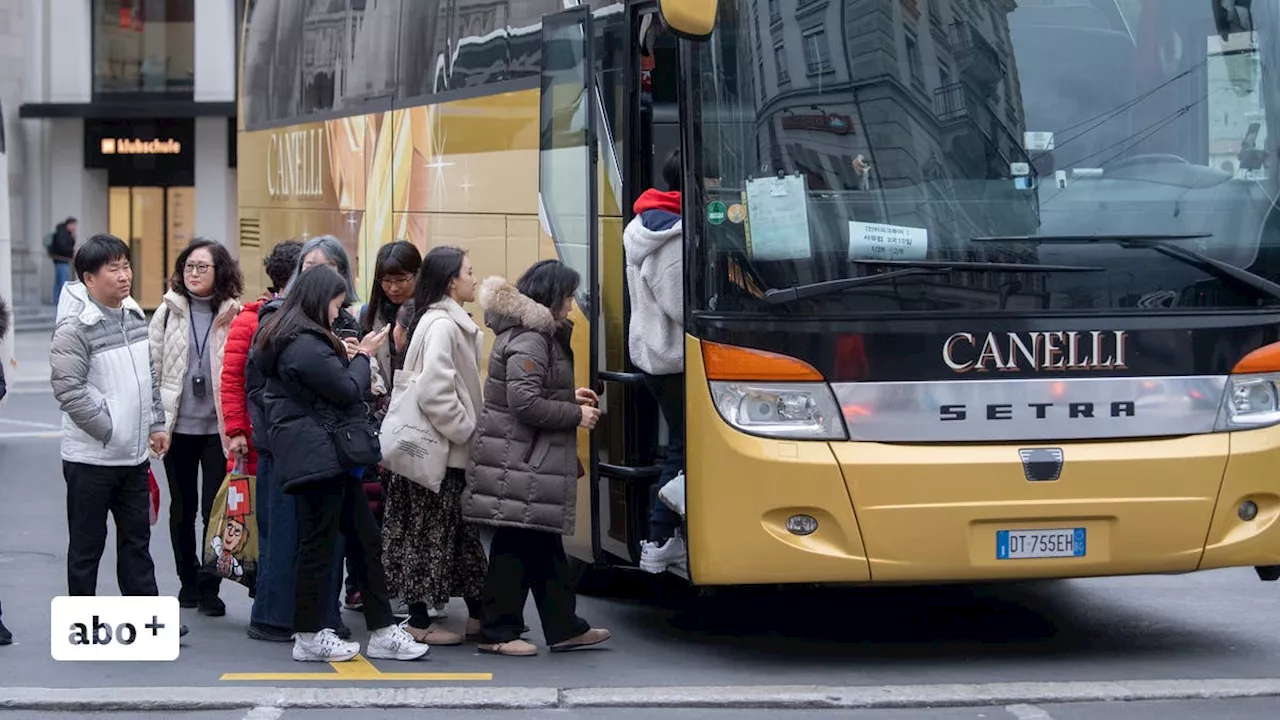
<point>522,477</point>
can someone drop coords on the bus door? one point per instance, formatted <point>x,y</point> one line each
<point>632,431</point>
<point>569,210</point>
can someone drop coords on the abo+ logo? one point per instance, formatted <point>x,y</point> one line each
<point>118,629</point>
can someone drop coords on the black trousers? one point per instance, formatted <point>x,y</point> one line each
<point>668,390</point>
<point>338,507</point>
<point>521,560</point>
<point>189,457</point>
<point>92,492</point>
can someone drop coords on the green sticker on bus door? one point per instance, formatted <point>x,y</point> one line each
<point>716,212</point>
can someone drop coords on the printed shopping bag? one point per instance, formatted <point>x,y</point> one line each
<point>153,513</point>
<point>231,540</point>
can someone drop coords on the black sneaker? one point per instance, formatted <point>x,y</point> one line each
<point>188,598</point>
<point>269,633</point>
<point>212,606</point>
<point>6,637</point>
<point>182,631</point>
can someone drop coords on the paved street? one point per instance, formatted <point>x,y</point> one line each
<point>1209,626</point>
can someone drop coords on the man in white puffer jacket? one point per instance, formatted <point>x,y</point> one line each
<point>112,418</point>
<point>654,244</point>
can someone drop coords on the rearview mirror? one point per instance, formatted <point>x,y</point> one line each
<point>690,18</point>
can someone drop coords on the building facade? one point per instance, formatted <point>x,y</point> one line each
<point>128,125</point>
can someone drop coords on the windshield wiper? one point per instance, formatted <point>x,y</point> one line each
<point>909,268</point>
<point>777,297</point>
<point>1223,271</point>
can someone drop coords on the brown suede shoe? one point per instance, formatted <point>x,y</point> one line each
<point>515,648</point>
<point>594,636</point>
<point>437,634</point>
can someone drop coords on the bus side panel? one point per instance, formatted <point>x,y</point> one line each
<point>934,512</point>
<point>1251,475</point>
<point>740,492</point>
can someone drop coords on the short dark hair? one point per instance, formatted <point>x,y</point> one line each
<point>281,262</point>
<point>549,282</point>
<point>228,281</point>
<point>672,174</point>
<point>98,251</point>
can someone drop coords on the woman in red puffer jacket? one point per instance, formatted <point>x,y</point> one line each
<point>279,265</point>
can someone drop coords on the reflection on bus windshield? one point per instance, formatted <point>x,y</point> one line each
<point>869,141</point>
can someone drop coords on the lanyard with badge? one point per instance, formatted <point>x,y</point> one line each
<point>198,381</point>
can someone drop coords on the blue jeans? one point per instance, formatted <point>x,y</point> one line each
<point>277,552</point>
<point>61,273</point>
<point>668,390</point>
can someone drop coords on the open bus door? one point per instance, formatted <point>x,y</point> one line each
<point>568,205</point>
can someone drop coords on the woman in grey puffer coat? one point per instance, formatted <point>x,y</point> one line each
<point>524,469</point>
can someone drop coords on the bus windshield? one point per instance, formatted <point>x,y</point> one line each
<point>1080,136</point>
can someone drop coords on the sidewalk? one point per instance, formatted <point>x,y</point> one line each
<point>30,370</point>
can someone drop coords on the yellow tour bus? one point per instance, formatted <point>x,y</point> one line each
<point>983,289</point>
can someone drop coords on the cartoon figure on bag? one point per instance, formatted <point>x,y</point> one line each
<point>235,532</point>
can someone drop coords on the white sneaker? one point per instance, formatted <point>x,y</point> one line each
<point>324,646</point>
<point>393,643</point>
<point>656,558</point>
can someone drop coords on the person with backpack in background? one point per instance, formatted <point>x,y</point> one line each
<point>61,246</point>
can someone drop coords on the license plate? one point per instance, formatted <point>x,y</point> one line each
<point>1020,544</point>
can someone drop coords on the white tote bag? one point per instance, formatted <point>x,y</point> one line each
<point>411,445</point>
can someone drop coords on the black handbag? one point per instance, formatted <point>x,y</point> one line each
<point>355,440</point>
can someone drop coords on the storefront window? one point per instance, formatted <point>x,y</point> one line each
<point>144,46</point>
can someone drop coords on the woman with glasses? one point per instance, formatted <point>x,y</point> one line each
<point>188,334</point>
<point>394,275</point>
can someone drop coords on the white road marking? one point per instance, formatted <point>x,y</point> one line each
<point>28,423</point>
<point>50,435</point>
<point>264,713</point>
<point>1028,712</point>
<point>46,390</point>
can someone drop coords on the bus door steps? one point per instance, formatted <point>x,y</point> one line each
<point>644,473</point>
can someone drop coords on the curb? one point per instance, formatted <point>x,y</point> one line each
<point>531,698</point>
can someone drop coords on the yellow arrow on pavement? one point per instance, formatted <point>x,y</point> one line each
<point>358,669</point>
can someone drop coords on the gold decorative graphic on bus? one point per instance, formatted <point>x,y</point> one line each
<point>1037,351</point>
<point>295,164</point>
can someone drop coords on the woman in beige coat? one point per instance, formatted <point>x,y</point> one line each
<point>430,554</point>
<point>188,335</point>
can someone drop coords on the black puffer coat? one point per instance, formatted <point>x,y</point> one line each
<point>306,381</point>
<point>524,465</point>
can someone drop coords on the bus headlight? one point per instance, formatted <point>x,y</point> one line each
<point>795,411</point>
<point>1250,401</point>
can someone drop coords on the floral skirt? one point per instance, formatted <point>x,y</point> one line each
<point>429,553</point>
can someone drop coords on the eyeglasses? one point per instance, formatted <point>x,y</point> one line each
<point>397,281</point>
<point>198,268</point>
